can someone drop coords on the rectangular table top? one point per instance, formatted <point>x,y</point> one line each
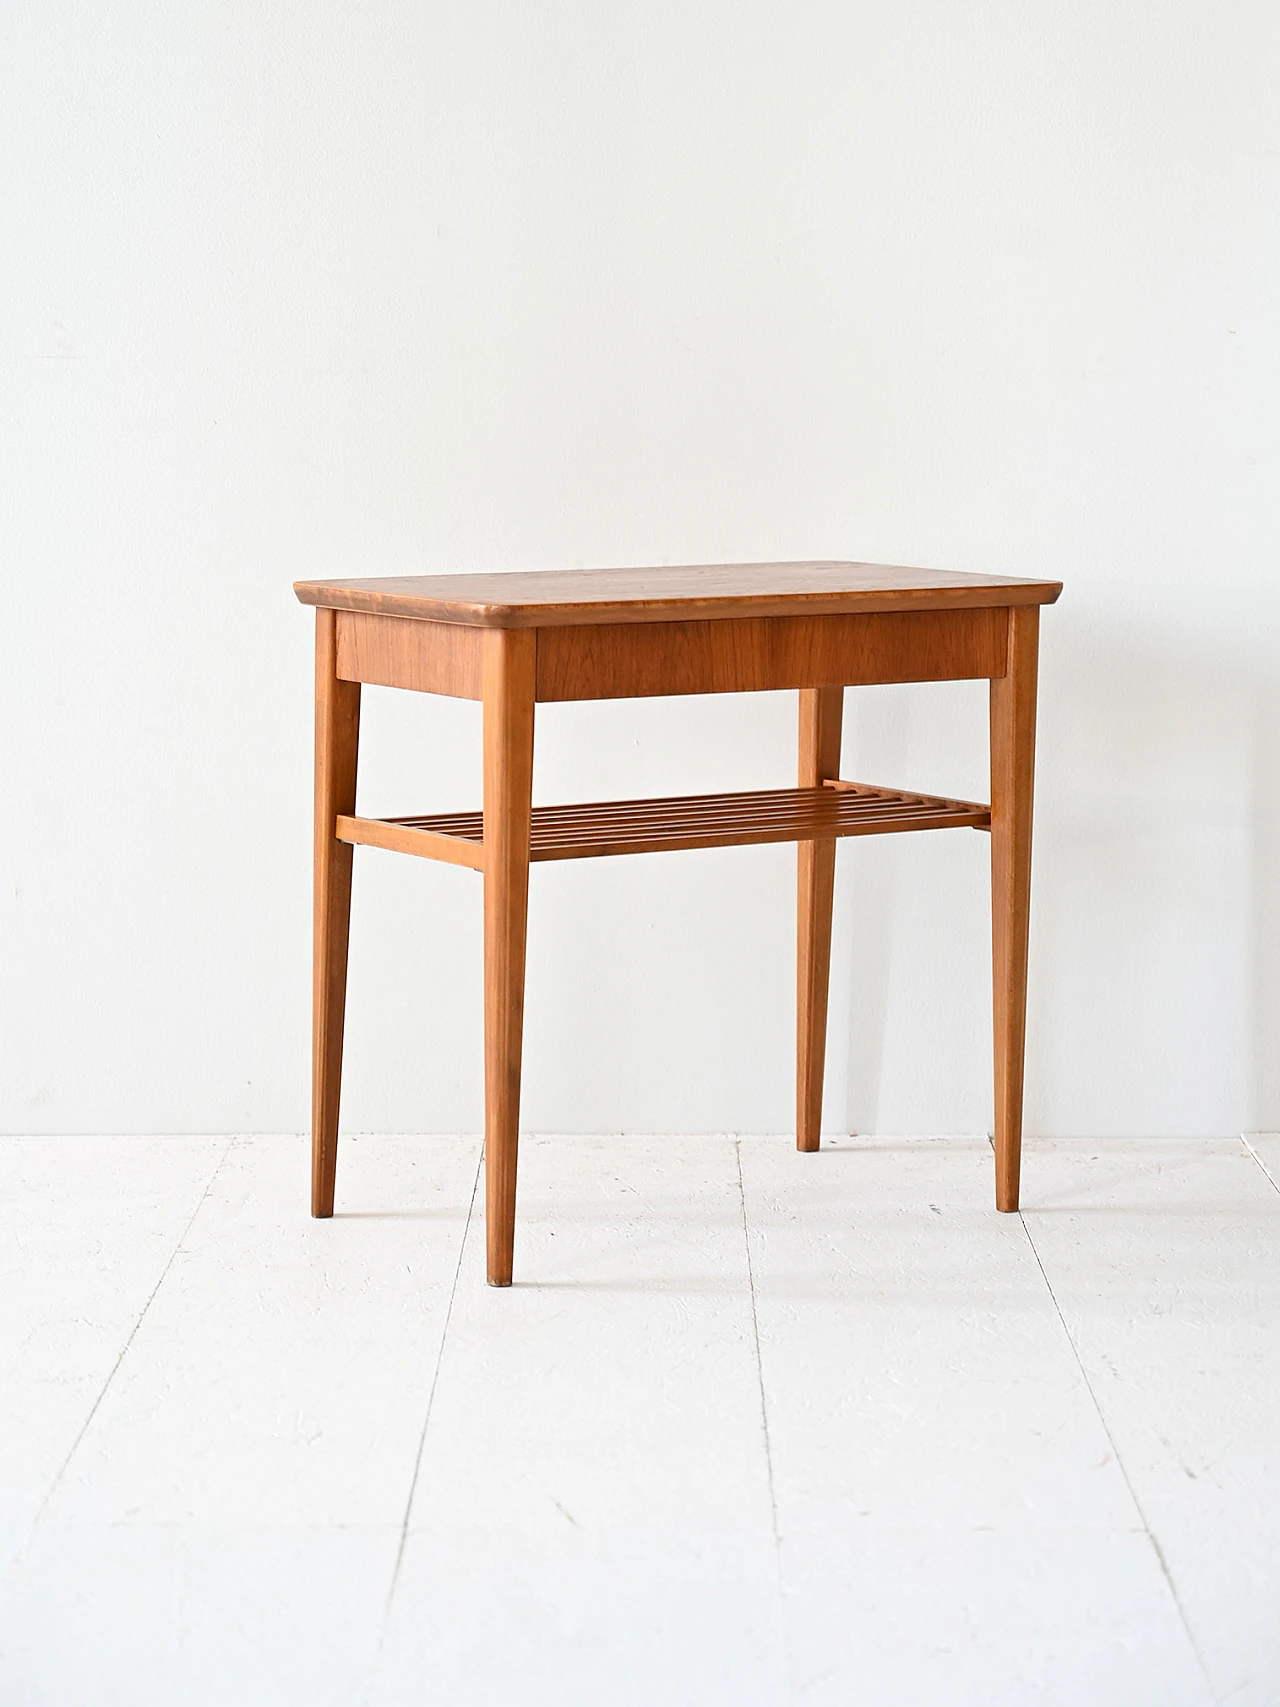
<point>575,597</point>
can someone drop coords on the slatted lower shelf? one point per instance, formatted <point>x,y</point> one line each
<point>683,821</point>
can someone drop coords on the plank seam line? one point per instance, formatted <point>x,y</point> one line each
<point>431,1395</point>
<point>102,1393</point>
<point>764,1404</point>
<point>1133,1494</point>
<point>1266,1171</point>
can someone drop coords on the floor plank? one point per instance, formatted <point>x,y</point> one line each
<point>87,1227</point>
<point>953,1522</point>
<point>1001,1617</point>
<point>1265,1147</point>
<point>281,1373</point>
<point>592,1520</point>
<point>1165,1260</point>
<point>202,1614</point>
<point>1008,1460</point>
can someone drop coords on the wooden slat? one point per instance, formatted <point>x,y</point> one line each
<point>665,840</point>
<point>592,828</point>
<point>869,789</point>
<point>735,655</point>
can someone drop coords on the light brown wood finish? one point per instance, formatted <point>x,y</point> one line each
<point>337,739</point>
<point>508,782</point>
<point>600,827</point>
<point>563,597</point>
<point>600,634</point>
<point>1013,739</point>
<point>415,837</point>
<point>821,719</point>
<point>405,652</point>
<point>756,654</point>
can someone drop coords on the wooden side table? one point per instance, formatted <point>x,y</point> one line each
<point>512,640</point>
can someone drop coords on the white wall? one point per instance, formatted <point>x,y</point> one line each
<point>383,288</point>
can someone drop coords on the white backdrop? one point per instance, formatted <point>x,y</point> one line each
<point>384,288</point>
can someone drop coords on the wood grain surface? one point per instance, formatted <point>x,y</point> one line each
<point>757,654</point>
<point>508,784</point>
<point>821,721</point>
<point>337,740</point>
<point>395,652</point>
<point>676,823</point>
<point>1013,749</point>
<point>560,597</point>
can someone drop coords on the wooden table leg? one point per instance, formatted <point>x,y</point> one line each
<point>821,715</point>
<point>1013,741</point>
<point>337,742</point>
<point>508,687</point>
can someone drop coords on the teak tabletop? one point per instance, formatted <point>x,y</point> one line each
<point>511,640</point>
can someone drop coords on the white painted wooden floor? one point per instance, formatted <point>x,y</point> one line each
<point>752,1427</point>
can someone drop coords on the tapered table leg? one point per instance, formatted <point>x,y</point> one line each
<point>821,715</point>
<point>508,689</point>
<point>1013,740</point>
<point>337,742</point>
